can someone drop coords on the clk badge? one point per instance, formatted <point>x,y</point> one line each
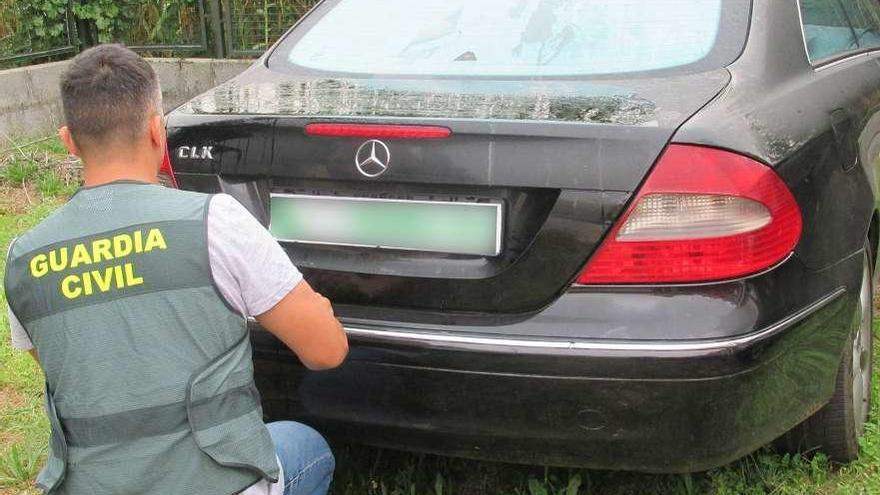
<point>196,152</point>
<point>372,158</point>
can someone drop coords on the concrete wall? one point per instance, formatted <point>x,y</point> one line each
<point>30,104</point>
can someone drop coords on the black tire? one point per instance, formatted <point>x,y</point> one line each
<point>835,429</point>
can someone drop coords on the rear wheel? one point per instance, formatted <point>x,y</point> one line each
<point>835,429</point>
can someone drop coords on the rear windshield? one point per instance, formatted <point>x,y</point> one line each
<point>513,38</point>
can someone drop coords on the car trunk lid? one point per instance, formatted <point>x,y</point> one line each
<point>558,158</point>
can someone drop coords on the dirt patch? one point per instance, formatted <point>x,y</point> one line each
<point>28,173</point>
<point>18,491</point>
<point>9,438</point>
<point>17,200</point>
<point>12,398</point>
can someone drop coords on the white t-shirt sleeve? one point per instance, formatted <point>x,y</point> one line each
<point>20,338</point>
<point>250,269</point>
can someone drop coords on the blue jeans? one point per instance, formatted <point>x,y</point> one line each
<point>305,457</point>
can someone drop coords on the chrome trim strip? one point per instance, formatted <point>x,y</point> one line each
<point>800,9</point>
<point>497,206</point>
<point>850,58</point>
<point>713,345</point>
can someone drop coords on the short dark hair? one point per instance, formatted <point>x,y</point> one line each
<point>108,93</point>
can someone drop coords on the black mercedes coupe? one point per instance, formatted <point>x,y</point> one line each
<point>617,234</point>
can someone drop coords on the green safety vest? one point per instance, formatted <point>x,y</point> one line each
<point>149,374</point>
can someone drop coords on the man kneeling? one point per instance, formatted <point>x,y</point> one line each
<point>134,299</point>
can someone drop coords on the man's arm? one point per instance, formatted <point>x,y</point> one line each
<point>257,278</point>
<point>305,322</point>
<point>20,339</point>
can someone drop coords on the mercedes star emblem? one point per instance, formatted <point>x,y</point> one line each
<point>372,158</point>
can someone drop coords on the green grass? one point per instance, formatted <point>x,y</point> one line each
<point>365,470</point>
<point>26,196</point>
<point>42,166</point>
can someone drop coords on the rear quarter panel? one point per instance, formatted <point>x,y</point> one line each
<point>779,109</point>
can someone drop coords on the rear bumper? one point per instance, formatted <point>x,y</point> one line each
<point>644,406</point>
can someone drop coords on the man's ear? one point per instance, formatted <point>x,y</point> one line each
<point>69,143</point>
<point>157,132</point>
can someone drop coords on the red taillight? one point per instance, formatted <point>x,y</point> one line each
<point>166,172</point>
<point>378,131</point>
<point>702,215</point>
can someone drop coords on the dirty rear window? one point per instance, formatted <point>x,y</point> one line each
<point>519,38</point>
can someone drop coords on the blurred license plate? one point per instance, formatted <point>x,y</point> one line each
<point>435,226</point>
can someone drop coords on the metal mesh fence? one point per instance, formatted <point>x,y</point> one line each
<point>253,25</point>
<point>41,30</point>
<point>159,25</point>
<point>28,31</point>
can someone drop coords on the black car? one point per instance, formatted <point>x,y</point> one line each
<point>613,234</point>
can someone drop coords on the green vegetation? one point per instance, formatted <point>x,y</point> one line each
<point>250,26</point>
<point>34,180</point>
<point>33,26</point>
<point>141,22</point>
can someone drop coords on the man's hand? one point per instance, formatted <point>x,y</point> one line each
<point>305,322</point>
